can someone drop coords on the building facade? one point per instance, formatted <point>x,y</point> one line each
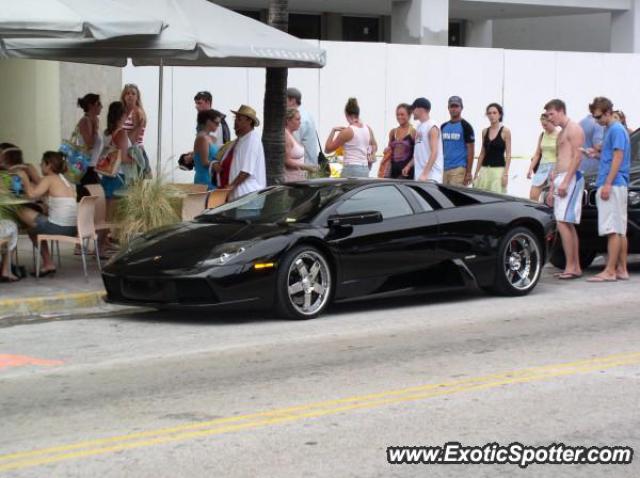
<point>559,25</point>
<point>39,98</point>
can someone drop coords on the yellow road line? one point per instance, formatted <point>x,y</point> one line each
<point>27,459</point>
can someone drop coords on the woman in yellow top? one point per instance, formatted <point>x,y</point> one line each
<point>545,155</point>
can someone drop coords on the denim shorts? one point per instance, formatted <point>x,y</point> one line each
<point>111,185</point>
<point>543,175</point>
<point>43,226</point>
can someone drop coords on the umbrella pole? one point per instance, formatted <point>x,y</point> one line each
<point>160,93</point>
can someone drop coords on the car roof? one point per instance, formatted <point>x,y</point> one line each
<point>356,182</point>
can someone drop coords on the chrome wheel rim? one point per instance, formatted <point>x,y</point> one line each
<point>522,262</point>
<point>308,283</point>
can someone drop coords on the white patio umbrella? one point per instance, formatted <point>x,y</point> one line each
<point>200,33</point>
<point>95,19</point>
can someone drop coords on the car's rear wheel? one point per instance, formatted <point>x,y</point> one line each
<point>519,263</point>
<point>304,284</point>
<point>559,260</point>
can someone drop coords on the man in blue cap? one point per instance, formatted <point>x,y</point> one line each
<point>458,142</point>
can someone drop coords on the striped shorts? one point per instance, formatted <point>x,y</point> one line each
<point>568,208</point>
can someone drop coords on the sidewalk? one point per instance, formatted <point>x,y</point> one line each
<point>66,293</point>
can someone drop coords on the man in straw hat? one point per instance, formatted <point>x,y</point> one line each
<point>242,166</point>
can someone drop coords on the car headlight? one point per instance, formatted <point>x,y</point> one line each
<point>223,254</point>
<point>634,198</point>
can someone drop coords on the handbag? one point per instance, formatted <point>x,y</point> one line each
<point>137,168</point>
<point>324,169</point>
<point>384,171</point>
<point>109,162</point>
<point>76,156</point>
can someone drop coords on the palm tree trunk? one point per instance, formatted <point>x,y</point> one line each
<point>275,102</point>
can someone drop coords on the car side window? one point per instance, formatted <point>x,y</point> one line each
<point>385,199</point>
<point>422,198</point>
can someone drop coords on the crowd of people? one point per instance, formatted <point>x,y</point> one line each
<point>566,150</point>
<point>53,206</point>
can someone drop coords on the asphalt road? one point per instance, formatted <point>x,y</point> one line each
<point>166,395</point>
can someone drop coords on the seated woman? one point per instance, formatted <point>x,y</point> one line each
<point>8,232</point>
<point>63,209</point>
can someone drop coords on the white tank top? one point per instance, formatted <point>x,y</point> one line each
<point>422,152</point>
<point>355,150</point>
<point>63,211</point>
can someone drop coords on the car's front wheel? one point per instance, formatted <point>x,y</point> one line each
<point>304,285</point>
<point>519,263</point>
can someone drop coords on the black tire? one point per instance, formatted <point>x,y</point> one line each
<point>307,269</point>
<point>518,264</point>
<point>559,260</point>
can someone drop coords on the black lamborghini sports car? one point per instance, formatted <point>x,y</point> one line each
<point>300,246</point>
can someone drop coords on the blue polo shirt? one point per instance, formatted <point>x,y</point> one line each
<point>455,137</point>
<point>615,138</point>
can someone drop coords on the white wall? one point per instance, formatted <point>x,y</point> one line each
<point>383,75</point>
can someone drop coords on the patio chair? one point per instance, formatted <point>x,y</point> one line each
<point>86,232</point>
<point>193,204</point>
<point>217,197</point>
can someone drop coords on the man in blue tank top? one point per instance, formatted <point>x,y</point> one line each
<point>458,143</point>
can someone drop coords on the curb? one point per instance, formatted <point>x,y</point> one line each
<point>59,306</point>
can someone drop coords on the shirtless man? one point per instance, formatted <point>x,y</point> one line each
<point>567,185</point>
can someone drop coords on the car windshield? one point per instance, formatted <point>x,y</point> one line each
<point>289,203</point>
<point>635,146</point>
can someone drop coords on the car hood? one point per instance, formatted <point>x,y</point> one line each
<point>184,245</point>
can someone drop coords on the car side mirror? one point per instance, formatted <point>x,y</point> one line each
<point>355,218</point>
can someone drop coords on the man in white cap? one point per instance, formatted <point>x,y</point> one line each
<point>242,164</point>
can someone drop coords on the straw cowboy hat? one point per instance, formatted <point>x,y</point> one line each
<point>249,112</point>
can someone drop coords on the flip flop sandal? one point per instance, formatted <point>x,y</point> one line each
<point>601,279</point>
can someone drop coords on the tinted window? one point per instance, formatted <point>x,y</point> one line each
<point>286,203</point>
<point>385,199</point>
<point>457,198</point>
<point>426,201</point>
<point>635,146</point>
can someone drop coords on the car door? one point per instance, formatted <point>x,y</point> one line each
<point>370,254</point>
<point>470,231</point>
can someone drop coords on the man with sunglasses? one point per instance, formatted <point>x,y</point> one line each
<point>203,102</point>
<point>612,194</point>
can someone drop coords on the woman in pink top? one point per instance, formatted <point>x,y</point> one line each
<point>357,140</point>
<point>294,167</point>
